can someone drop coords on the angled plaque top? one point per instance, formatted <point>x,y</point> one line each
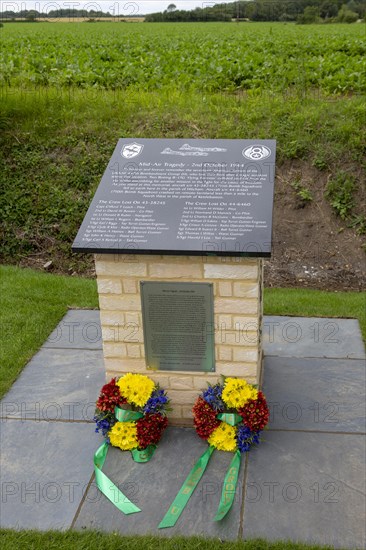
<point>183,196</point>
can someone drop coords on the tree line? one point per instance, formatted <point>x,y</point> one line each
<point>301,11</point>
<point>68,13</point>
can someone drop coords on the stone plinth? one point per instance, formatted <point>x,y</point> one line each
<point>238,293</point>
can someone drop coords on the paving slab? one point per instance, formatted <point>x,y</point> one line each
<point>153,486</point>
<point>307,487</point>
<point>312,337</point>
<point>78,329</point>
<point>45,469</point>
<point>302,483</point>
<point>316,394</point>
<point>56,384</point>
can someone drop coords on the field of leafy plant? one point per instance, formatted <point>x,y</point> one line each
<point>200,57</point>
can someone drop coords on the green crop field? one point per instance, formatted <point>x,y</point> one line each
<point>199,56</point>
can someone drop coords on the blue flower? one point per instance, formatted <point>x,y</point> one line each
<point>104,424</point>
<point>246,438</point>
<point>156,403</point>
<point>212,396</point>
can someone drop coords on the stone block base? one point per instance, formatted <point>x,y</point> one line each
<point>237,284</point>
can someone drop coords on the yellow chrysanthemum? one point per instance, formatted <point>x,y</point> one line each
<point>223,438</point>
<point>124,435</point>
<point>136,388</point>
<point>237,392</point>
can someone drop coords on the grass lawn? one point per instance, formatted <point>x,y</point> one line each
<point>33,303</point>
<point>32,540</point>
<point>316,303</point>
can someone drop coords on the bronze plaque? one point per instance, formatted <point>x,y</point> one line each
<point>178,325</point>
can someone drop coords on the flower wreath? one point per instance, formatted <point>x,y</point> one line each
<point>230,417</point>
<point>131,414</point>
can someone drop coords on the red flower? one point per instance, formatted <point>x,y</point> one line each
<point>204,418</point>
<point>150,429</point>
<point>255,413</point>
<point>110,397</point>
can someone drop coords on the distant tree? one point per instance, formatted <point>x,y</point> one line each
<point>171,7</point>
<point>357,7</point>
<point>30,17</point>
<point>352,6</point>
<point>345,15</point>
<point>310,15</point>
<point>361,10</point>
<point>329,9</point>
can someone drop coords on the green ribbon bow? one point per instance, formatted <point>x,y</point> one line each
<point>104,484</point>
<point>230,418</point>
<point>124,415</point>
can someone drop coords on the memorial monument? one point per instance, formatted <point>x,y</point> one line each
<point>179,228</point>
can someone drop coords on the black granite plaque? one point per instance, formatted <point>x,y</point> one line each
<point>183,196</point>
<point>178,325</point>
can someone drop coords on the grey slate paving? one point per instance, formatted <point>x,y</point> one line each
<point>154,485</point>
<point>312,337</point>
<point>79,329</point>
<point>56,384</point>
<point>300,485</point>
<point>45,467</point>
<point>307,487</point>
<point>315,394</point>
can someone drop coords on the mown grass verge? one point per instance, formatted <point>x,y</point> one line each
<point>33,303</point>
<point>52,540</point>
<point>316,303</point>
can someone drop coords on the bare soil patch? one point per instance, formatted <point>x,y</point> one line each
<point>312,247</point>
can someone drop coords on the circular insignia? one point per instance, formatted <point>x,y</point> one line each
<point>256,152</point>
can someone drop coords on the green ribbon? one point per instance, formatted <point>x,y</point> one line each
<point>230,418</point>
<point>186,491</point>
<point>144,455</point>
<point>107,487</point>
<point>124,415</point>
<point>229,487</point>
